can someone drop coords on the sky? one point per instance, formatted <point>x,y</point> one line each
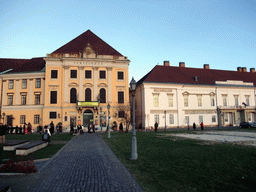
<point>221,33</point>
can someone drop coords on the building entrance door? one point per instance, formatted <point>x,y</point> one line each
<point>9,120</point>
<point>87,117</point>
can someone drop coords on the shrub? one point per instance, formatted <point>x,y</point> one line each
<point>21,166</point>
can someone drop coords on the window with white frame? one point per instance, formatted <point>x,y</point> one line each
<point>10,99</point>
<point>187,120</point>
<point>226,117</point>
<point>214,119</point>
<point>212,100</point>
<point>37,99</point>
<point>36,119</point>
<point>156,100</point>
<point>157,118</point>
<point>201,119</point>
<point>247,99</point>
<point>171,118</point>
<point>199,100</point>
<point>186,100</point>
<point>170,100</point>
<point>236,101</point>
<point>22,119</point>
<point>23,99</point>
<point>24,83</point>
<point>224,97</point>
<point>38,83</point>
<point>10,84</point>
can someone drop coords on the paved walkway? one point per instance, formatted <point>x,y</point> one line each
<point>85,163</point>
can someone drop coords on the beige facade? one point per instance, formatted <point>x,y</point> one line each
<point>75,88</point>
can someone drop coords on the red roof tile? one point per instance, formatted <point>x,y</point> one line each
<point>185,75</point>
<point>79,43</point>
<point>32,65</point>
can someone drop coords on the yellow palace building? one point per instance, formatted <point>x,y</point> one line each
<point>72,85</point>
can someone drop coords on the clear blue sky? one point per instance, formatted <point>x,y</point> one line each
<point>221,33</point>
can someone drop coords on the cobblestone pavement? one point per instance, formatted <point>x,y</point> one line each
<point>85,163</point>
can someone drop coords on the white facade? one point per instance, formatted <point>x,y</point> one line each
<point>185,104</point>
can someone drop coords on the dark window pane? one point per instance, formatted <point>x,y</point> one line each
<point>53,115</point>
<point>120,75</point>
<point>121,114</point>
<point>102,74</point>
<point>102,95</point>
<point>54,73</point>
<point>88,74</point>
<point>73,95</point>
<point>88,94</point>
<point>120,97</point>
<point>53,97</point>
<point>73,74</point>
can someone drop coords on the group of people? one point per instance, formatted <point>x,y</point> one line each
<point>25,129</point>
<point>194,126</point>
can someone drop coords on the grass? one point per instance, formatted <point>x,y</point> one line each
<point>43,153</point>
<point>171,164</point>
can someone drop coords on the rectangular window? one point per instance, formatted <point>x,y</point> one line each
<point>236,101</point>
<point>199,100</point>
<point>171,118</point>
<point>88,74</point>
<point>38,83</point>
<point>185,100</point>
<point>53,115</point>
<point>102,74</point>
<point>53,97</point>
<point>73,73</point>
<point>24,83</point>
<point>23,99</point>
<point>157,118</point>
<point>170,100</point>
<point>156,103</point>
<point>36,119</point>
<point>54,74</point>
<point>22,119</point>
<point>213,118</point>
<point>187,120</point>
<point>120,75</point>
<point>120,97</point>
<point>37,99</point>
<point>201,119</point>
<point>10,84</point>
<point>121,114</point>
<point>10,99</point>
<point>226,117</point>
<point>249,116</point>
<point>247,98</point>
<point>225,103</point>
<point>212,101</point>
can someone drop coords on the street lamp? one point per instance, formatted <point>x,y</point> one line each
<point>108,121</point>
<point>100,120</point>
<point>134,155</point>
<point>165,120</point>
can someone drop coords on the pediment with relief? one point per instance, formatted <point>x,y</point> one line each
<point>88,85</point>
<point>73,85</point>
<point>88,52</point>
<point>102,85</point>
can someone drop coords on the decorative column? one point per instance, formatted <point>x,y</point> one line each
<point>109,84</point>
<point>4,93</point>
<point>80,92</point>
<point>30,91</point>
<point>66,84</point>
<point>95,82</point>
<point>17,92</point>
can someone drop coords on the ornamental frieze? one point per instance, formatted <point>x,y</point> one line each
<point>200,111</point>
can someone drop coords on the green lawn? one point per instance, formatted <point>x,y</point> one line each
<point>171,164</point>
<point>46,152</point>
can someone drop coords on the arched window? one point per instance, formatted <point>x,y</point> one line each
<point>102,95</point>
<point>73,95</point>
<point>88,94</point>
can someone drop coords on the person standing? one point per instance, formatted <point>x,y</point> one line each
<point>29,128</point>
<point>52,128</point>
<point>121,127</point>
<point>93,128</point>
<point>202,126</point>
<point>156,126</point>
<point>89,128</point>
<point>194,126</point>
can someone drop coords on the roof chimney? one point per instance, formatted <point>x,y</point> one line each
<point>239,69</point>
<point>244,69</point>
<point>182,64</point>
<point>166,63</point>
<point>206,66</point>
<point>252,70</point>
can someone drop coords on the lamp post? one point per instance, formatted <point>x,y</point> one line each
<point>100,120</point>
<point>134,155</point>
<point>165,120</point>
<point>108,122</point>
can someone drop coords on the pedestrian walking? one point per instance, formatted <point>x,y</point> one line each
<point>93,128</point>
<point>29,128</point>
<point>202,126</point>
<point>121,127</point>
<point>51,127</point>
<point>89,128</point>
<point>156,126</point>
<point>194,126</point>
